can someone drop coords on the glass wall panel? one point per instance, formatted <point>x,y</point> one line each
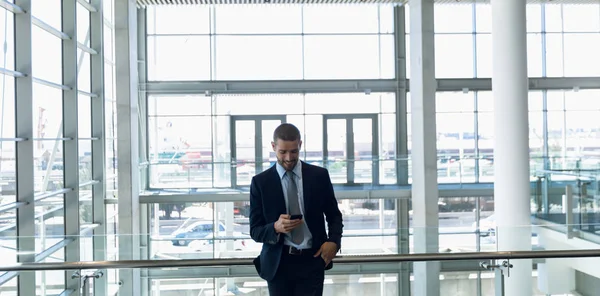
<point>453,55</point>
<point>46,45</point>
<point>177,19</point>
<point>49,12</point>
<point>335,56</point>
<point>348,19</point>
<point>258,19</point>
<point>83,25</point>
<point>456,18</point>
<point>179,58</point>
<point>7,37</point>
<point>263,57</point>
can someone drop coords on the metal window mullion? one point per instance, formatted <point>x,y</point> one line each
<point>476,134</point>
<point>24,150</point>
<point>11,7</point>
<point>258,162</point>
<point>233,147</point>
<point>50,29</point>
<point>11,73</point>
<point>375,155</point>
<point>401,154</point>
<point>350,165</point>
<point>98,147</point>
<point>70,130</point>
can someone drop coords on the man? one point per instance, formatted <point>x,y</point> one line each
<point>296,249</point>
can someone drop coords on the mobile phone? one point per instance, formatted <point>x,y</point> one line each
<point>296,217</point>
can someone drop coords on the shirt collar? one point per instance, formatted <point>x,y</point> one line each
<point>297,170</point>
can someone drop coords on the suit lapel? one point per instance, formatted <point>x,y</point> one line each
<point>278,193</point>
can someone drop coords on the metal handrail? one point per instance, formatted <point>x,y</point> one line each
<point>128,264</point>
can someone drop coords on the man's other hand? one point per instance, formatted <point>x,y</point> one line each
<point>285,225</point>
<point>327,252</point>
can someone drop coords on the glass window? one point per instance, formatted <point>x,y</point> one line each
<point>178,105</point>
<point>534,18</point>
<point>386,19</point>
<point>536,133</point>
<point>343,57</point>
<point>341,19</point>
<point>7,108</point>
<point>453,18</point>
<point>350,103</point>
<point>178,58</point>
<point>85,163</point>
<point>262,57</point>
<point>84,117</point>
<point>178,19</point>
<point>7,37</point>
<point>485,101</point>
<point>555,100</point>
<point>581,54</point>
<point>573,16</point>
<point>454,102</point>
<point>453,56</point>
<point>259,104</point>
<point>84,71</point>
<point>47,113</point>
<point>556,121</point>
<point>455,132</point>
<point>48,11</point>
<point>83,25</point>
<point>534,55</point>
<point>109,46</point>
<point>553,18</point>
<point>536,101</point>
<point>484,55</point>
<point>484,18</point>
<point>176,134</point>
<point>46,45</point>
<point>258,19</point>
<point>584,100</point>
<point>554,55</point>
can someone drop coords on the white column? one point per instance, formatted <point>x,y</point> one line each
<point>511,148</point>
<point>125,28</point>
<point>424,152</point>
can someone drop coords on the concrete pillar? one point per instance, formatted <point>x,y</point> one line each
<point>424,151</point>
<point>511,148</point>
<point>125,28</point>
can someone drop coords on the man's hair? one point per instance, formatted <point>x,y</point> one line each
<point>286,132</point>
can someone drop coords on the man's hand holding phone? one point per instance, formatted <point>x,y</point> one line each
<point>287,223</point>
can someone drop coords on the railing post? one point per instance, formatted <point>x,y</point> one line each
<point>499,282</point>
<point>568,209</point>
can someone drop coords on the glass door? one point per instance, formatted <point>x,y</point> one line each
<point>351,148</point>
<point>251,150</point>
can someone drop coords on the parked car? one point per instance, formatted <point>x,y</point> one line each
<point>199,230</point>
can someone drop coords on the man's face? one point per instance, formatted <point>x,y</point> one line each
<point>287,153</point>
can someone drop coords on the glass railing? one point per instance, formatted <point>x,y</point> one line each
<point>452,169</point>
<point>556,272</point>
<point>570,197</point>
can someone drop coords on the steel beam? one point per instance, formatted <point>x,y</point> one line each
<point>24,150</point>
<point>125,25</point>
<point>98,146</point>
<point>70,130</point>
<point>344,86</point>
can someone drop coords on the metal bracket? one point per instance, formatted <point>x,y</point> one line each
<point>499,270</point>
<point>85,287</point>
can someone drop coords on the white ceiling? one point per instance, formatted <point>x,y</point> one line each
<point>143,3</point>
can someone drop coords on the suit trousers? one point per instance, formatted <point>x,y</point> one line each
<point>298,275</point>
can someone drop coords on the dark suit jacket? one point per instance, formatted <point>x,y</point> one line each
<point>267,203</point>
